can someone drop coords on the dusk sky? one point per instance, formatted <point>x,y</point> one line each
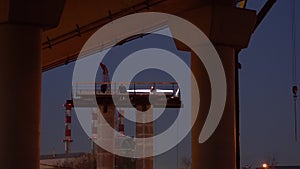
<point>267,115</point>
<point>266,102</point>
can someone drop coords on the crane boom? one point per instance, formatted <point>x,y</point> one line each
<point>105,87</point>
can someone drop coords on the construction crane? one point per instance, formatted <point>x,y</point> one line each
<point>105,87</point>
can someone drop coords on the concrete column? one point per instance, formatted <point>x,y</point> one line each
<point>20,96</point>
<point>145,130</point>
<point>219,150</point>
<point>105,159</point>
<point>231,28</point>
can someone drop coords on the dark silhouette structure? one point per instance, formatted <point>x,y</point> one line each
<point>35,34</point>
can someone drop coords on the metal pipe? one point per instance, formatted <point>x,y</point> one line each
<point>237,107</point>
<point>263,12</point>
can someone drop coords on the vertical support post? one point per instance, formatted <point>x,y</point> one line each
<point>21,26</point>
<point>144,130</point>
<point>220,149</point>
<point>20,99</point>
<point>106,159</point>
<point>237,105</point>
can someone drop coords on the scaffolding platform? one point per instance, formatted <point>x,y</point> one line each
<point>157,94</point>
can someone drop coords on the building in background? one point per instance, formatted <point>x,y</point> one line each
<point>72,160</point>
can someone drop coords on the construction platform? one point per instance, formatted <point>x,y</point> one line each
<point>157,94</point>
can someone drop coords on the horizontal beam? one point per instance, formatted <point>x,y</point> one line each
<point>134,100</point>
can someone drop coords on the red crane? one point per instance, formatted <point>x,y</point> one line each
<point>105,87</point>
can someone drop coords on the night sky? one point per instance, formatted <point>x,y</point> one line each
<point>266,102</point>
<point>267,115</point>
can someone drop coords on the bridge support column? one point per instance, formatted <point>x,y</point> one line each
<point>145,130</point>
<point>219,151</point>
<point>21,25</point>
<point>229,29</point>
<point>20,95</point>
<point>105,159</point>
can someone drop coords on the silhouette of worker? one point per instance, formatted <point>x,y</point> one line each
<point>152,90</point>
<point>122,89</point>
<point>103,88</point>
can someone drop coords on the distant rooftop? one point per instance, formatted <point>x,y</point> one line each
<point>60,156</point>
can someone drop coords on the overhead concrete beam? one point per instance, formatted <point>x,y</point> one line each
<point>59,49</point>
<point>4,10</point>
<point>43,13</point>
<point>224,25</point>
<point>232,26</point>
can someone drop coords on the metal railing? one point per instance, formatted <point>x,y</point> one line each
<point>100,88</point>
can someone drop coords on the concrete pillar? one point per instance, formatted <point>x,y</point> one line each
<point>219,150</point>
<point>20,96</point>
<point>105,159</point>
<point>229,29</point>
<point>145,130</point>
<point>21,24</point>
